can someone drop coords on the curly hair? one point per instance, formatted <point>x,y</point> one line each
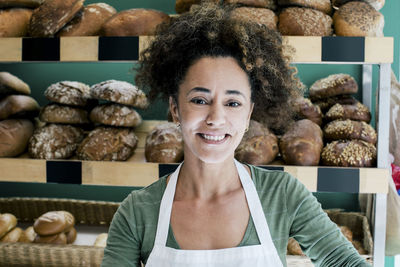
<point>208,30</point>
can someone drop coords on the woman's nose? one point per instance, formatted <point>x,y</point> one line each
<point>216,115</point>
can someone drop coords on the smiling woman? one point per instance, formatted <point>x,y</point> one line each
<point>217,73</point>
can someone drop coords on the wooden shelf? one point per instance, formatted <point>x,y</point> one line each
<point>343,50</point>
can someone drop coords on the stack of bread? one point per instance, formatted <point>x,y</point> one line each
<point>15,16</point>
<point>113,139</point>
<point>350,139</point>
<point>64,117</point>
<point>55,227</point>
<point>9,232</point>
<point>17,110</point>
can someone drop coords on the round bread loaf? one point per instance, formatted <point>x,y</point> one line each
<point>302,144</point>
<point>28,236</point>
<point>20,3</point>
<point>354,153</point>
<point>101,240</point>
<point>7,222</point>
<point>164,144</point>
<point>71,235</point>
<point>108,144</point>
<point>321,5</point>
<point>349,130</point>
<point>119,92</point>
<point>293,247</point>
<point>304,22</point>
<point>115,115</point>
<point>14,22</point>
<point>261,16</point>
<point>52,15</point>
<point>54,113</point>
<point>333,85</point>
<point>14,136</point>
<point>55,141</point>
<point>270,4</point>
<point>88,21</point>
<point>377,4</point>
<point>357,112</point>
<point>10,84</point>
<point>326,103</point>
<point>358,19</point>
<point>12,236</point>
<point>182,6</point>
<point>57,239</point>
<point>54,222</point>
<point>18,106</point>
<point>259,146</point>
<point>69,93</point>
<point>307,110</point>
<point>134,22</point>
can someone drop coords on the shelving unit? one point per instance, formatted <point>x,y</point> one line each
<point>136,172</point>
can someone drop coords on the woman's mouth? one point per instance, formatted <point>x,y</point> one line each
<point>214,138</point>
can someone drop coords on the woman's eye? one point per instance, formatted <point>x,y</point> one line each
<point>198,101</point>
<point>233,104</point>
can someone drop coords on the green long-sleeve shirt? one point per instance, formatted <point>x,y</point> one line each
<point>290,209</point>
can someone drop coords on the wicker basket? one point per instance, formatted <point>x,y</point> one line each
<point>28,209</point>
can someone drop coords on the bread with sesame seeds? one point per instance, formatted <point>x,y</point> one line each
<point>259,145</point>
<point>377,4</point>
<point>358,19</point>
<point>349,130</point>
<point>302,144</point>
<point>333,85</point>
<point>357,112</point>
<point>304,22</point>
<point>345,153</point>
<point>305,109</point>
<point>115,115</point>
<point>321,5</point>
<point>326,103</point>
<point>261,16</point>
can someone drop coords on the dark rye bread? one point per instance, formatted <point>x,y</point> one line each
<point>68,93</point>
<point>305,109</point>
<point>333,85</point>
<point>358,19</point>
<point>304,22</point>
<point>326,103</point>
<point>344,153</point>
<point>377,4</point>
<point>321,5</point>
<point>14,22</point>
<point>358,112</point>
<point>259,146</point>
<point>115,115</point>
<point>270,4</point>
<point>52,15</point>
<point>10,84</point>
<point>54,113</point>
<point>261,16</point>
<point>349,130</point>
<point>21,3</point>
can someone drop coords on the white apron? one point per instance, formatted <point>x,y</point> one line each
<point>262,255</point>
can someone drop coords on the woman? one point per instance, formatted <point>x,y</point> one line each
<point>213,210</point>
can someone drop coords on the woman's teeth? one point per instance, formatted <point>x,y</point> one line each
<point>213,137</point>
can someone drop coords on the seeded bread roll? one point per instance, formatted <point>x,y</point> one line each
<point>261,16</point>
<point>164,144</point>
<point>119,92</point>
<point>182,6</point>
<point>354,153</point>
<point>28,236</point>
<point>71,235</point>
<point>57,239</point>
<point>52,15</point>
<point>307,110</point>
<point>54,113</point>
<point>7,222</point>
<point>18,106</point>
<point>101,240</point>
<point>293,247</point>
<point>115,115</point>
<point>321,5</point>
<point>12,236</point>
<point>55,141</point>
<point>304,22</point>
<point>109,144</point>
<point>358,19</point>
<point>69,93</point>
<point>54,222</point>
<point>134,22</point>
<point>20,3</point>
<point>333,85</point>
<point>259,146</point>
<point>302,143</point>
<point>349,130</point>
<point>377,4</point>
<point>88,21</point>
<point>357,112</point>
<point>326,103</point>
<point>14,22</point>
<point>10,84</point>
<point>14,136</point>
<point>270,4</point>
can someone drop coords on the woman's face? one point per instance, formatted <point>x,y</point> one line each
<point>214,108</point>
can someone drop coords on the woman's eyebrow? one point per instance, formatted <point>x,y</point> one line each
<point>205,90</point>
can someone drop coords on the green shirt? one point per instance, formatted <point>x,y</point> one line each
<point>290,209</point>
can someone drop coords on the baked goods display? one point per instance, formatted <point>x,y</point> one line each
<point>261,16</point>
<point>69,93</point>
<point>14,22</point>
<point>333,85</point>
<point>326,103</point>
<point>115,115</point>
<point>350,130</point>
<point>12,85</point>
<point>321,5</point>
<point>7,222</point>
<point>14,136</point>
<point>53,227</point>
<point>357,112</point>
<point>377,4</point>
<point>18,106</point>
<point>305,109</point>
<point>55,113</point>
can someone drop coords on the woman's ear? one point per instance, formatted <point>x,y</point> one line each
<point>173,108</point>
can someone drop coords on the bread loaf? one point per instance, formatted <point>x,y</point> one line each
<point>333,85</point>
<point>349,130</point>
<point>14,136</point>
<point>18,106</point>
<point>293,247</point>
<point>10,84</point>
<point>52,15</point>
<point>88,21</point>
<point>259,146</point>
<point>54,113</point>
<point>7,222</point>
<point>28,236</point>
<point>20,3</point>
<point>115,115</point>
<point>12,236</point>
<point>377,4</point>
<point>54,222</point>
<point>101,240</point>
<point>261,16</point>
<point>134,22</point>
<point>71,235</point>
<point>69,93</point>
<point>304,22</point>
<point>108,143</point>
<point>346,232</point>
<point>358,19</point>
<point>357,112</point>
<point>57,239</point>
<point>302,143</point>
<point>164,144</point>
<point>119,92</point>
<point>321,5</point>
<point>306,110</point>
<point>271,4</point>
<point>14,22</point>
<point>326,103</point>
<point>182,6</point>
